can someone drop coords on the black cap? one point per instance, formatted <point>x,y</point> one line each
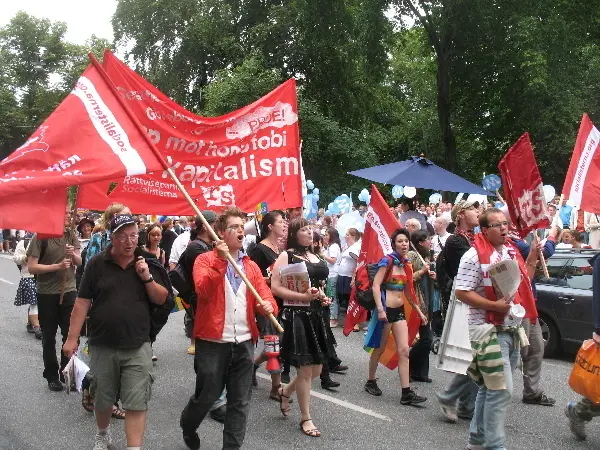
<point>210,216</point>
<point>120,220</point>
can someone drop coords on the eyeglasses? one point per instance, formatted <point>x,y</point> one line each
<point>127,237</point>
<point>498,225</point>
<point>235,228</point>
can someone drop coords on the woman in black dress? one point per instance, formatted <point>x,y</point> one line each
<point>306,343</point>
<point>264,254</point>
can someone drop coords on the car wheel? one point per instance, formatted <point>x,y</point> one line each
<point>551,336</point>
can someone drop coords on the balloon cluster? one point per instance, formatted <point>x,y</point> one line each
<point>311,199</point>
<point>364,196</point>
<point>341,205</point>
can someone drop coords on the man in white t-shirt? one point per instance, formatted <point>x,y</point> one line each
<point>494,396</point>
<point>440,226</point>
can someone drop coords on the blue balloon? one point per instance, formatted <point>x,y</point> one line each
<point>342,203</point>
<point>435,198</point>
<point>397,191</point>
<point>310,185</point>
<point>491,182</point>
<point>315,197</point>
<point>316,191</point>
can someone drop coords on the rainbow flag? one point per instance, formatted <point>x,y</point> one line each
<point>261,209</point>
<point>180,305</point>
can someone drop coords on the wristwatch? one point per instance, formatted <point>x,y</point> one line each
<point>149,280</point>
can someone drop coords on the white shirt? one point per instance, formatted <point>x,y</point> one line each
<point>439,241</point>
<point>347,265</point>
<point>470,278</point>
<point>179,245</point>
<point>333,251</point>
<point>235,327</point>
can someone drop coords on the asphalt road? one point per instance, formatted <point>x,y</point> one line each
<point>32,417</point>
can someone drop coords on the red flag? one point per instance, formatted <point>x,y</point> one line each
<point>381,223</point>
<point>243,158</point>
<point>90,136</point>
<point>582,183</point>
<point>39,212</point>
<point>523,187</point>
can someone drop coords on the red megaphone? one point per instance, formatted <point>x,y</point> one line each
<point>272,352</point>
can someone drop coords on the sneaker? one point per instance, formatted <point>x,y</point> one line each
<point>412,398</point>
<point>102,441</point>
<point>449,413</point>
<point>475,447</point>
<point>576,424</point>
<point>55,386</point>
<point>465,415</point>
<point>338,369</point>
<point>329,384</point>
<point>285,377</point>
<point>541,399</point>
<point>29,328</point>
<point>372,388</point>
<point>154,357</point>
<point>37,331</point>
<point>191,439</point>
<point>219,414</point>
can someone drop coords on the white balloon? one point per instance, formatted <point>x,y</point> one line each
<point>409,191</point>
<point>549,193</point>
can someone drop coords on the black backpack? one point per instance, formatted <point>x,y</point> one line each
<point>159,314</point>
<point>363,281</point>
<point>180,278</point>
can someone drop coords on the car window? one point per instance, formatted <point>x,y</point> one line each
<point>579,274</point>
<point>556,271</point>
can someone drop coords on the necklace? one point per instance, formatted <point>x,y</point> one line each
<point>272,246</point>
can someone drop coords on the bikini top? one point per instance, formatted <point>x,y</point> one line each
<point>396,282</point>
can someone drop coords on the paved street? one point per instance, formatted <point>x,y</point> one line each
<point>32,417</point>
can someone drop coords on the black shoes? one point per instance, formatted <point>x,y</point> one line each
<point>191,439</point>
<point>218,414</point>
<point>541,399</point>
<point>372,388</point>
<point>338,369</point>
<point>412,398</point>
<point>329,384</point>
<point>285,377</point>
<point>421,379</point>
<point>37,332</point>
<point>55,386</point>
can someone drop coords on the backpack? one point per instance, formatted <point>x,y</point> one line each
<point>159,314</point>
<point>363,281</point>
<point>179,277</point>
<point>444,280</point>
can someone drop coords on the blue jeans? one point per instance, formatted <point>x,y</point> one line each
<point>487,426</point>
<point>222,400</point>
<point>463,389</point>
<point>334,308</point>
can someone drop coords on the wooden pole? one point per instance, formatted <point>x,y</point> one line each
<point>412,304</point>
<point>500,197</point>
<point>65,272</point>
<point>158,155</point>
<point>541,256</point>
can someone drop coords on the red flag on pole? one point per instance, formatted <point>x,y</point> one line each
<point>582,183</point>
<point>90,136</point>
<point>39,212</point>
<point>381,223</point>
<point>523,187</point>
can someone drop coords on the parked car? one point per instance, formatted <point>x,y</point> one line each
<point>564,300</point>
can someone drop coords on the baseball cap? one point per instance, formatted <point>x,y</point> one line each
<point>210,216</point>
<point>120,220</point>
<point>461,206</point>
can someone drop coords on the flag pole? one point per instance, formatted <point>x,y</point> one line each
<point>63,283</point>
<point>413,305</point>
<point>189,199</point>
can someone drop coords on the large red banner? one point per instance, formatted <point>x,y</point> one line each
<point>523,187</point>
<point>242,158</point>
<point>381,224</point>
<point>582,183</point>
<point>88,137</point>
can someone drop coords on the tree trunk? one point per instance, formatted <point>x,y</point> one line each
<point>444,110</point>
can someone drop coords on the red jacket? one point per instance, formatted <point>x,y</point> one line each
<point>209,277</point>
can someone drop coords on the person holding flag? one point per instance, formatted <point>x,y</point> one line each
<point>393,286</point>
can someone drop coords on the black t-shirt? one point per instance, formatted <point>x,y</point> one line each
<point>456,246</point>
<point>264,257</point>
<point>120,312</point>
<point>166,243</point>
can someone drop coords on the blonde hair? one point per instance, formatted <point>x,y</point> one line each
<point>112,210</point>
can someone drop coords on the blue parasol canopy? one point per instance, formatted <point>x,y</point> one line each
<point>421,173</point>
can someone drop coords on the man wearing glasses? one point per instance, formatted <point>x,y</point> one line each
<point>122,285</point>
<point>495,340</point>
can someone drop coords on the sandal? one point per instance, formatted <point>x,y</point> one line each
<point>284,411</point>
<point>87,401</point>
<point>314,432</point>
<point>274,395</point>
<point>117,412</point>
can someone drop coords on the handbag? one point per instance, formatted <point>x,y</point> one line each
<point>585,376</point>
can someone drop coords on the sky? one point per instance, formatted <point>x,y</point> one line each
<point>83,17</point>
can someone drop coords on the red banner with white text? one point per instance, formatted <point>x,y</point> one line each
<point>523,188</point>
<point>582,183</point>
<point>380,225</point>
<point>242,158</point>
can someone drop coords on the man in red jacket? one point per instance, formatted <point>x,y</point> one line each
<point>225,331</point>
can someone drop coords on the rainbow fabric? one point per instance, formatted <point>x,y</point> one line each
<point>179,305</point>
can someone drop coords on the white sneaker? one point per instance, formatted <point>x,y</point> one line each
<point>103,441</point>
<point>449,413</point>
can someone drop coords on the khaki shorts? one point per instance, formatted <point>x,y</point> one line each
<point>126,373</point>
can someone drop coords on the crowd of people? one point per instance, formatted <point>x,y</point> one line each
<point>124,278</point>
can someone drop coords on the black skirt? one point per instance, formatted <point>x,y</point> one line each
<point>26,292</point>
<point>307,339</point>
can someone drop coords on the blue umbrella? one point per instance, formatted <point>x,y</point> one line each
<point>419,172</point>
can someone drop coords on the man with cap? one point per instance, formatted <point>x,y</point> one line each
<point>462,389</point>
<point>116,292</point>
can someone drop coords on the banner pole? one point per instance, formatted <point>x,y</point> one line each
<point>414,306</point>
<point>541,256</point>
<point>157,154</point>
<point>63,283</point>
<point>500,197</point>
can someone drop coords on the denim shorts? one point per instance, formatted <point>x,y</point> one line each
<point>128,373</point>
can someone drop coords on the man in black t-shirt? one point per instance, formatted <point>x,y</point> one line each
<point>122,286</point>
